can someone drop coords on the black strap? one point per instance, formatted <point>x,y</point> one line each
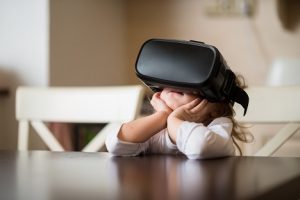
<point>233,92</point>
<point>238,95</point>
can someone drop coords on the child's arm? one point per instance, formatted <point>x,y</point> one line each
<point>196,140</point>
<point>142,129</point>
<point>194,111</point>
<point>132,138</point>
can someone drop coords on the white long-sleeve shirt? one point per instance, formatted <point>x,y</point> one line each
<point>194,140</point>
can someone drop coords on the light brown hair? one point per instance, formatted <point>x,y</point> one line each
<point>239,131</point>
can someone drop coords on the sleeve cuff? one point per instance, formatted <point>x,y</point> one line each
<point>118,147</point>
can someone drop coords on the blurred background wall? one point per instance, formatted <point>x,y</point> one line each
<point>95,36</point>
<point>95,42</point>
<point>87,42</point>
<point>250,44</point>
<point>24,60</point>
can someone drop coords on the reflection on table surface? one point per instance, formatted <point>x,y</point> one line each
<point>75,175</point>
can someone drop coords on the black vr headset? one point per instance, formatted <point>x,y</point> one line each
<point>188,66</point>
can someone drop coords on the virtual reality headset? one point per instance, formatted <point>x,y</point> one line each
<point>188,66</point>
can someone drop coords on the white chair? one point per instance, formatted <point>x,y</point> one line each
<point>273,105</point>
<point>113,105</point>
<point>284,72</point>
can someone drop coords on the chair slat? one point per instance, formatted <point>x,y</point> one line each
<point>82,105</point>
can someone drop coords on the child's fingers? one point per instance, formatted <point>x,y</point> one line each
<point>192,104</point>
<point>156,99</point>
<point>156,94</point>
<point>199,106</point>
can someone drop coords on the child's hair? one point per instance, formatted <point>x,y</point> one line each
<point>238,131</point>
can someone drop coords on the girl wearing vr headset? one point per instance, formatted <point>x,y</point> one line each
<point>182,123</point>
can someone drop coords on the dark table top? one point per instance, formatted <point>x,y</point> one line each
<point>75,175</point>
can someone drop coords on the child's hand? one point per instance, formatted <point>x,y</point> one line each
<point>195,111</point>
<point>159,105</point>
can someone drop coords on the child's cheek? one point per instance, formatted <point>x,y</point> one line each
<point>163,97</point>
<point>170,102</point>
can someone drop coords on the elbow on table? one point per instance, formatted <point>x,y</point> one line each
<point>113,151</point>
<point>200,151</point>
<point>120,150</point>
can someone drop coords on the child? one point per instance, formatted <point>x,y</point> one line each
<point>182,124</point>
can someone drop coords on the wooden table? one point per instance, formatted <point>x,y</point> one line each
<point>74,175</point>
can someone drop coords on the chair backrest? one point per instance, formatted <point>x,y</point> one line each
<point>74,104</point>
<point>109,104</point>
<point>273,105</point>
<point>284,72</point>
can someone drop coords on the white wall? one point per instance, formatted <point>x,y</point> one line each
<point>23,56</point>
